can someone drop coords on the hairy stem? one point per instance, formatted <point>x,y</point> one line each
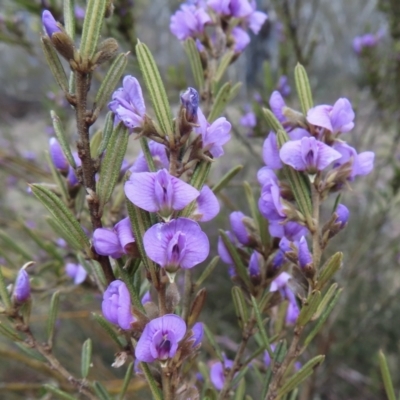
<point>187,294</point>
<point>166,384</point>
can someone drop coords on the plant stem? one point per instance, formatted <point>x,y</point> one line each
<point>88,167</point>
<point>166,384</point>
<point>187,295</point>
<point>316,237</point>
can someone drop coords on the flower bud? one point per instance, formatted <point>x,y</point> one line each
<point>57,156</point>
<point>342,215</point>
<point>255,267</point>
<point>108,49</point>
<point>49,23</point>
<point>305,257</point>
<point>190,101</point>
<point>22,289</point>
<point>198,333</point>
<point>239,228</point>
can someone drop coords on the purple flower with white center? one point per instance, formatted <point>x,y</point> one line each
<point>241,39</point>
<point>159,154</point>
<point>49,23</point>
<point>308,154</point>
<point>189,21</point>
<point>114,243</point>
<point>305,257</point>
<point>116,305</point>
<point>343,214</point>
<point>22,288</point>
<point>214,135</point>
<point>159,192</point>
<point>270,204</point>
<point>206,205</point>
<point>248,120</point>
<point>223,251</point>
<point>190,101</point>
<point>179,243</point>
<point>128,103</point>
<point>76,272</point>
<point>57,155</point>
<point>362,164</point>
<point>217,373</point>
<point>239,228</point>
<point>283,86</point>
<point>265,175</point>
<point>338,118</point>
<point>277,103</point>
<point>160,338</point>
<point>198,333</point>
<point>270,152</point>
<point>146,298</point>
<point>255,264</point>
<point>291,230</point>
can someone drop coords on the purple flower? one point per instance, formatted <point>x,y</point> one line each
<point>278,259</point>
<point>214,135</point>
<point>22,288</point>
<point>79,12</point>
<point>160,338</point>
<point>362,164</point>
<point>233,8</point>
<point>241,39</point>
<point>255,264</point>
<point>367,40</point>
<point>198,333</point>
<point>265,175</point>
<point>178,243</point>
<point>248,120</point>
<point>71,177</point>
<point>239,228</point>
<point>267,358</point>
<point>277,103</point>
<point>159,153</point>
<point>146,298</point>
<point>305,257</point>
<point>189,21</point>
<point>343,214</point>
<point>291,230</point>
<point>128,103</point>
<point>206,206</point>
<point>49,23</point>
<point>159,191</point>
<point>190,101</point>
<point>270,152</point>
<point>308,154</point>
<point>114,243</point>
<point>217,373</point>
<point>283,86</point>
<point>223,251</point>
<point>76,272</point>
<point>116,305</point>
<point>336,119</point>
<point>57,156</point>
<point>270,204</point>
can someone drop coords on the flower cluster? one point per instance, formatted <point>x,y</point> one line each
<point>234,16</point>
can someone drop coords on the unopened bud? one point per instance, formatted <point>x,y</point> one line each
<point>172,297</point>
<point>108,49</point>
<point>49,23</point>
<point>305,257</point>
<point>342,215</point>
<point>22,289</point>
<point>197,306</point>
<point>57,156</point>
<point>190,101</point>
<point>64,45</point>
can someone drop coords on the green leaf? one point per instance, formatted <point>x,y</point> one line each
<point>234,91</point>
<point>107,132</point>
<point>220,102</point>
<point>303,88</point>
<point>13,245</point>
<point>223,65</point>
<point>110,81</point>
<point>156,89</point>
<point>132,291</point>
<point>4,294</point>
<point>331,266</point>
<point>195,62</point>
<point>9,333</point>
<point>69,18</point>
<point>213,343</point>
<point>54,63</point>
<point>251,201</point>
<point>109,328</point>
<point>59,393</point>
<point>101,391</point>
<point>387,379</point>
<point>240,305</point>
<point>51,320</point>
<point>224,181</point>
<point>207,271</point>
<point>155,390</point>
<point>325,301</point>
<point>272,121</point>
<point>240,389</point>
<point>57,177</point>
<point>127,379</point>
<point>86,359</point>
<point>94,17</point>
<point>111,165</point>
<point>309,308</point>
<point>147,155</point>
<point>63,216</point>
<point>261,327</point>
<point>301,375</point>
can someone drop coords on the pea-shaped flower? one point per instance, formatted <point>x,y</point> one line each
<point>160,338</point>
<point>22,289</point>
<point>177,244</point>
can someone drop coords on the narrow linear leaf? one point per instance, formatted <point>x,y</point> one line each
<point>223,65</point>
<point>94,17</point>
<point>195,62</point>
<point>303,88</point>
<point>54,63</point>
<point>221,100</point>
<point>155,390</point>
<point>207,271</point>
<point>331,266</point>
<point>57,177</point>
<point>59,393</point>
<point>301,375</point>
<point>272,121</point>
<point>110,81</point>
<point>387,379</point>
<point>9,333</point>
<point>224,181</point>
<point>156,89</point>
<point>132,291</point>
<point>234,91</point>
<point>109,328</point>
<point>86,359</point>
<point>95,142</point>
<point>213,343</point>
<point>241,388</point>
<point>261,327</point>
<point>127,378</point>
<point>240,305</point>
<point>101,391</point>
<point>60,232</point>
<point>107,132</point>
<point>325,301</point>
<point>251,201</point>
<point>144,144</point>
<point>30,352</point>
<point>13,246</point>
<point>63,216</point>
<point>112,162</point>
<point>51,320</point>
<point>69,17</point>
<point>309,308</point>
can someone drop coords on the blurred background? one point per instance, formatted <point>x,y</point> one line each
<point>318,33</point>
